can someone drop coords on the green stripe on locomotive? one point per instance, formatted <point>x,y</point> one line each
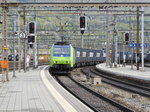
<point>62,60</point>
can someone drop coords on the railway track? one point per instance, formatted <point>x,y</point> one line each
<point>95,101</point>
<point>145,91</point>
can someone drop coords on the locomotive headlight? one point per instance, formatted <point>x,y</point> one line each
<point>55,61</point>
<point>67,62</point>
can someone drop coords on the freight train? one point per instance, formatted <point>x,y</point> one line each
<point>64,57</point>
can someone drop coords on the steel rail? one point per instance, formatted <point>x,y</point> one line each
<point>76,5</point>
<point>116,104</point>
<point>145,91</point>
<point>63,85</point>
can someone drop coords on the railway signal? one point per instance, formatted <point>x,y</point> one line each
<point>82,22</point>
<point>31,39</point>
<point>32,33</point>
<point>126,38</point>
<point>32,28</point>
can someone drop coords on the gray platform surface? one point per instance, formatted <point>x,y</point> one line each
<point>127,71</point>
<point>28,93</point>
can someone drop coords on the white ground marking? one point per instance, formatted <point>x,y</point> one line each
<point>67,107</point>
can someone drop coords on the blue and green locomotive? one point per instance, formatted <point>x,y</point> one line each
<point>64,57</point>
<point>61,57</point>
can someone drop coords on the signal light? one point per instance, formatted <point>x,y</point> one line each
<point>126,37</point>
<point>31,39</point>
<point>32,28</point>
<point>82,22</point>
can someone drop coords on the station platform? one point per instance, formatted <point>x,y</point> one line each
<point>37,91</point>
<point>126,72</point>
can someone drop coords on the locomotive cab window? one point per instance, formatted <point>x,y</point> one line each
<point>63,51</point>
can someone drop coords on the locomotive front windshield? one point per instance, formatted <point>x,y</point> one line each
<point>61,51</point>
